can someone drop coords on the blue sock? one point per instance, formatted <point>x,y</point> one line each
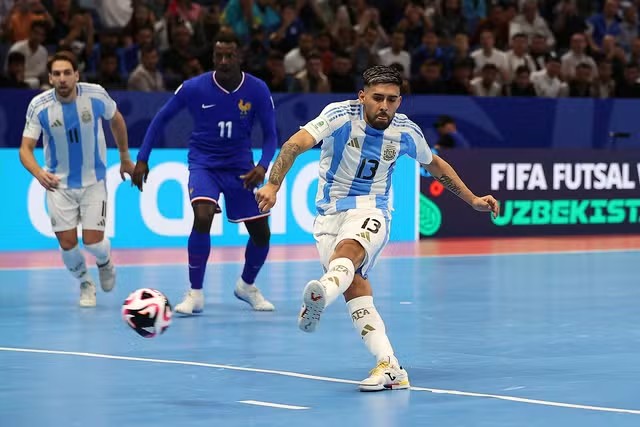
<point>254,258</point>
<point>199,248</point>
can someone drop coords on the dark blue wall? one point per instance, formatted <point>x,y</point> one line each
<point>485,122</point>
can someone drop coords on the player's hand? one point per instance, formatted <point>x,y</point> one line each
<point>48,180</point>
<point>126,167</point>
<point>254,177</point>
<point>140,173</point>
<point>266,197</point>
<point>486,204</point>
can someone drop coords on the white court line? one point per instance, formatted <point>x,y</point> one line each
<point>316,259</point>
<point>319,378</point>
<point>272,405</point>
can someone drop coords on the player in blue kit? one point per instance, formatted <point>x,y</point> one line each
<point>69,118</point>
<point>224,105</point>
<point>363,138</point>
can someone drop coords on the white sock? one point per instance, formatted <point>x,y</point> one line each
<point>74,261</point>
<point>371,328</point>
<point>338,278</point>
<point>100,250</point>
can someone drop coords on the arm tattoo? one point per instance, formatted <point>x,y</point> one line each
<point>282,164</point>
<point>448,183</point>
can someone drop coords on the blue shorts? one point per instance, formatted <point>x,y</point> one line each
<point>240,203</point>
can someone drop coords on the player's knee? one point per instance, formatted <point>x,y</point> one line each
<point>259,233</point>
<point>351,249</point>
<point>203,216</point>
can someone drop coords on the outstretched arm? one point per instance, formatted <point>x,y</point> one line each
<point>141,170</point>
<point>300,142</point>
<point>447,176</point>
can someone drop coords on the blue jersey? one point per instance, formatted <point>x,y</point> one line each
<point>223,121</point>
<point>357,161</point>
<point>74,144</point>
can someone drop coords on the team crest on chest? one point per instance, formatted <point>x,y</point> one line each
<point>389,153</point>
<point>86,116</point>
<point>244,107</point>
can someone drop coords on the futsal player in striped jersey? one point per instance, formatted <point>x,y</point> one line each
<point>362,140</point>
<point>224,105</point>
<point>69,118</point>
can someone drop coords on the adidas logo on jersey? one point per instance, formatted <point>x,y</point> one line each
<point>353,143</point>
<point>56,123</point>
<point>365,235</point>
<point>101,223</point>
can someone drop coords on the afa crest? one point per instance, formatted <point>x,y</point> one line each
<point>86,116</point>
<point>389,153</point>
<point>244,107</point>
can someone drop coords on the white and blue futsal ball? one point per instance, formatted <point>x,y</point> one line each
<point>147,311</point>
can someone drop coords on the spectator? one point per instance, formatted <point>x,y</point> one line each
<point>34,53</point>
<point>146,77</point>
<point>529,22</point>
<point>580,85</point>
<point>628,27</point>
<point>538,51</point>
<point>341,77</point>
<point>396,53</point>
<point>108,73</point>
<point>311,79</point>
<point>521,84</point>
<point>274,74</point>
<point>575,56</point>
<point>460,82</point>
<point>429,49</point>
<point>486,84</point>
<point>604,23</point>
<point>450,21</point>
<point>294,60</point>
<point>604,86</point>
<point>448,134</point>
<point>547,82</point>
<point>488,54</point>
<point>567,23</point>
<point>429,80</point>
<point>15,72</point>
<point>22,17</point>
<point>518,55</point>
<point>629,87</point>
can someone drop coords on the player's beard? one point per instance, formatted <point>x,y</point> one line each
<point>380,125</point>
<point>64,92</point>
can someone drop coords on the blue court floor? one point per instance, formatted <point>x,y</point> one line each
<point>500,340</point>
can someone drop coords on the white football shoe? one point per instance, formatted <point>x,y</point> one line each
<point>314,301</point>
<point>87,294</point>
<point>107,272</point>
<point>387,375</point>
<point>252,296</point>
<point>193,303</point>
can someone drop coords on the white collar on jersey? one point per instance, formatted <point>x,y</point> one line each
<point>223,89</point>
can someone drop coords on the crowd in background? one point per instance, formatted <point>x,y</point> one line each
<point>546,48</point>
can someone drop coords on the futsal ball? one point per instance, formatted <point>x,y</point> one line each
<point>147,311</point>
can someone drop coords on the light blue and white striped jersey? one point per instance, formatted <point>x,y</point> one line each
<point>357,161</point>
<point>74,144</point>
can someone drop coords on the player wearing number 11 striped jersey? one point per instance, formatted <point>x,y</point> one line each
<point>224,105</point>
<point>362,140</point>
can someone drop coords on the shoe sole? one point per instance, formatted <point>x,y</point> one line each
<point>87,305</point>
<point>314,299</point>
<point>191,313</point>
<point>399,386</point>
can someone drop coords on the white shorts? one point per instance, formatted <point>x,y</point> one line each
<point>69,207</point>
<point>369,227</point>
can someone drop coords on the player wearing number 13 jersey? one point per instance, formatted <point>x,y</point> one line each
<point>362,139</point>
<point>224,105</point>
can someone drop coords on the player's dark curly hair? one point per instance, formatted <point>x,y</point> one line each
<point>227,37</point>
<point>381,74</point>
